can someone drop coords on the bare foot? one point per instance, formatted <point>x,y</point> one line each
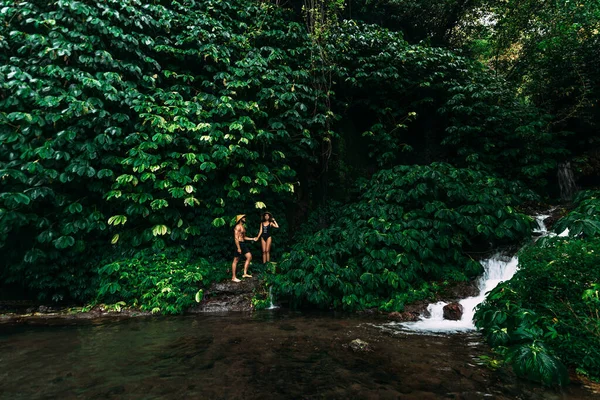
<point>246,276</point>
<point>235,280</point>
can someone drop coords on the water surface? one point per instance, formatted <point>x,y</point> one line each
<point>266,355</point>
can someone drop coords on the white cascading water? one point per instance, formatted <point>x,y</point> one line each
<point>498,268</point>
<point>271,306</point>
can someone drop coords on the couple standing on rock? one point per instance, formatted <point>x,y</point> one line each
<point>241,248</point>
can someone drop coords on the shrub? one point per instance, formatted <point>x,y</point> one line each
<point>160,283</point>
<point>411,225</point>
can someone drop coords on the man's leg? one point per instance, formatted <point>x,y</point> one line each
<point>248,258</point>
<point>233,268</point>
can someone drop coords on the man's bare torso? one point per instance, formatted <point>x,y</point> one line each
<point>239,233</point>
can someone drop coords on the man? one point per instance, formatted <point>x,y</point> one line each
<point>241,248</point>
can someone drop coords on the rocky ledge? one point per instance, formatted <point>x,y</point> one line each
<point>228,296</point>
<point>44,315</point>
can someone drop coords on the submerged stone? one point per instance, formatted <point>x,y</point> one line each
<point>361,346</point>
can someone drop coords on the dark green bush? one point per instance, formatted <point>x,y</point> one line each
<point>411,225</point>
<point>133,124</point>
<point>552,300</point>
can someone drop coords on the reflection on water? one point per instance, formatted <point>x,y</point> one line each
<point>267,355</point>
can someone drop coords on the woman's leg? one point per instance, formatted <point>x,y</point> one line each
<point>268,249</point>
<point>264,249</point>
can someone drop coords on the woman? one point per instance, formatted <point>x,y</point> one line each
<point>264,234</point>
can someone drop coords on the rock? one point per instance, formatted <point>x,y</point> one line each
<point>228,296</point>
<point>360,346</point>
<point>404,316</point>
<point>453,311</point>
<point>555,214</point>
<point>229,287</point>
<point>224,303</point>
<point>459,290</point>
<point>418,307</point>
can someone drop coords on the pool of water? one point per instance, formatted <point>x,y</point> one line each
<point>266,355</point>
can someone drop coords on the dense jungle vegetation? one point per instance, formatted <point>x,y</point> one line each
<point>393,139</point>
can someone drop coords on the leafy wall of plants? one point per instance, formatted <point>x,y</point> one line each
<point>139,124</point>
<point>411,225</point>
<point>126,125</point>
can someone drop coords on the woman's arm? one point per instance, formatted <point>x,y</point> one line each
<point>274,224</point>
<point>260,230</point>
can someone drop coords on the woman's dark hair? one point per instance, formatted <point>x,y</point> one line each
<point>263,219</point>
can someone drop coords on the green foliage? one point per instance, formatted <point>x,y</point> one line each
<point>549,306</point>
<point>127,125</point>
<point>532,361</point>
<point>411,225</point>
<point>136,124</point>
<point>585,218</point>
<point>549,51</point>
<point>161,283</point>
<point>546,50</point>
<point>417,104</point>
<point>438,22</point>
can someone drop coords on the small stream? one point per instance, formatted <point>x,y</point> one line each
<point>265,355</point>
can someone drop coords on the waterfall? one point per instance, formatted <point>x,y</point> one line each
<point>566,181</point>
<point>271,305</point>
<point>497,268</point>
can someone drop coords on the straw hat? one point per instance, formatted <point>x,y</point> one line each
<point>238,217</point>
<point>267,212</point>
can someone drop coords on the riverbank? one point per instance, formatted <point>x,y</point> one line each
<point>220,297</point>
<point>223,296</point>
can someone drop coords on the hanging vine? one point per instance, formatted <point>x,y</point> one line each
<point>322,18</point>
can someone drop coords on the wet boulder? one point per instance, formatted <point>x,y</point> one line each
<point>453,311</point>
